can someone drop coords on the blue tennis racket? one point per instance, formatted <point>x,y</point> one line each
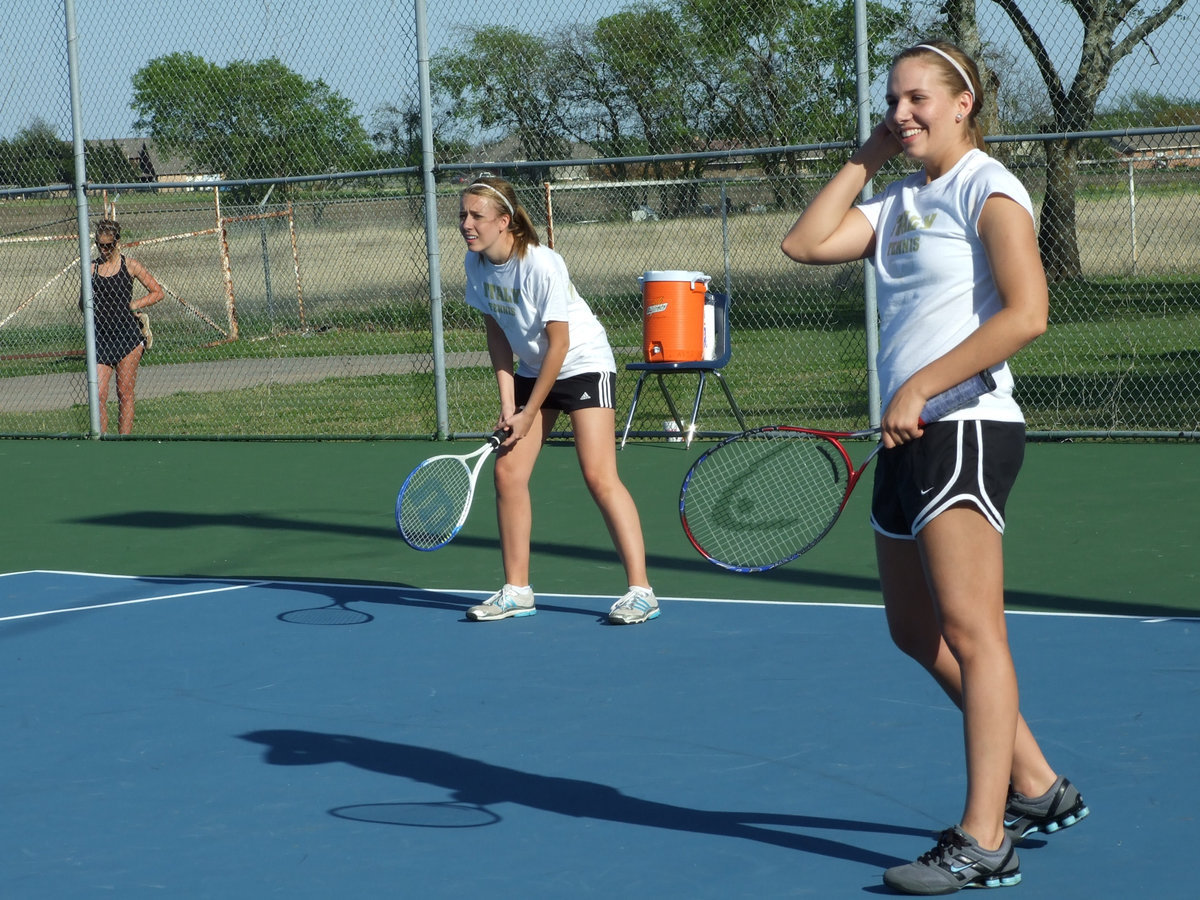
<point>436,496</point>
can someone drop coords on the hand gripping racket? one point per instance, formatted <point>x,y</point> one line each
<point>760,499</point>
<point>436,496</point>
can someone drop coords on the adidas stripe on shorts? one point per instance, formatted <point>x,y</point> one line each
<point>588,390</point>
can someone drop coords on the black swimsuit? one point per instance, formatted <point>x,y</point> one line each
<point>117,329</point>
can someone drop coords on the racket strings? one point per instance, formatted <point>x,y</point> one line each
<point>761,500</point>
<point>433,501</point>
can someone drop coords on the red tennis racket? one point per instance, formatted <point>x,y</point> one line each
<point>762,498</point>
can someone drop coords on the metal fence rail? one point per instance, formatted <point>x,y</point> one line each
<point>309,295</point>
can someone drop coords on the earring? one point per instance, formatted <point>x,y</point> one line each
<point>958,118</point>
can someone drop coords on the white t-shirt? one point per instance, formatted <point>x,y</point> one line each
<point>935,286</point>
<point>522,295</point>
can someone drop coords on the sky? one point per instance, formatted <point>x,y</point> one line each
<point>366,49</point>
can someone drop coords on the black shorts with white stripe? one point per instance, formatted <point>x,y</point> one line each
<point>588,390</point>
<point>973,462</point>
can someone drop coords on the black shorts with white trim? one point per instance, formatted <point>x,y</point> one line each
<point>973,462</point>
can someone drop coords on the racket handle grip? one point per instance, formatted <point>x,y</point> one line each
<point>957,397</point>
<point>498,436</point>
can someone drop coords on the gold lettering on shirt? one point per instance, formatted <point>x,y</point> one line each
<point>910,225</point>
<point>504,299</point>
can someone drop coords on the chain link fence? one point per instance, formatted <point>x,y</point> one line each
<point>273,166</point>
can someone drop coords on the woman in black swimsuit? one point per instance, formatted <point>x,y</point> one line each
<point>119,341</point>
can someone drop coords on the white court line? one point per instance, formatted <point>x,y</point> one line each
<point>809,604</point>
<point>237,584</point>
<point>71,609</point>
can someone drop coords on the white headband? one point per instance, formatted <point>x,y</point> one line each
<point>957,68</point>
<point>499,194</point>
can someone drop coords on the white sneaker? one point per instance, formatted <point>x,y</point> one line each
<point>506,602</point>
<point>637,606</point>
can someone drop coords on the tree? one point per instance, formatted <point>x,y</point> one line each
<point>396,134</point>
<point>1074,106</point>
<point>1143,108</point>
<point>646,72</point>
<point>600,113</point>
<point>505,82</point>
<point>247,119</point>
<point>36,157</point>
<point>791,66</point>
<point>108,164</point>
<point>680,77</point>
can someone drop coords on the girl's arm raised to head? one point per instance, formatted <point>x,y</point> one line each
<point>830,230</point>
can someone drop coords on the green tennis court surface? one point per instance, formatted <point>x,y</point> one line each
<point>1093,527</point>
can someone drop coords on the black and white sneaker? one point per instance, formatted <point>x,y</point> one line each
<point>1058,808</point>
<point>956,862</point>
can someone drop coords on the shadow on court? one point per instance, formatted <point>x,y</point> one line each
<point>347,604</point>
<point>726,750</point>
<point>482,784</point>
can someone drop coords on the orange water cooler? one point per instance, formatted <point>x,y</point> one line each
<point>673,315</point>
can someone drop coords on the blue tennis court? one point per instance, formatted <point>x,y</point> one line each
<point>229,738</point>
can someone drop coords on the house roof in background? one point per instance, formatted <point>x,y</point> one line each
<point>1155,143</point>
<point>150,160</point>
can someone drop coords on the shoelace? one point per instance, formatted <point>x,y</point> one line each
<point>947,840</point>
<point>627,601</point>
<point>503,598</point>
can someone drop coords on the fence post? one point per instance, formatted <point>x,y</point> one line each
<point>1133,218</point>
<point>431,238</point>
<point>81,215</point>
<point>291,217</point>
<point>865,126</point>
<point>266,256</point>
<point>226,268</point>
<point>725,238</point>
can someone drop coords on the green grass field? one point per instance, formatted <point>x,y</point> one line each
<point>1120,355</point>
<point>1060,386</point>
